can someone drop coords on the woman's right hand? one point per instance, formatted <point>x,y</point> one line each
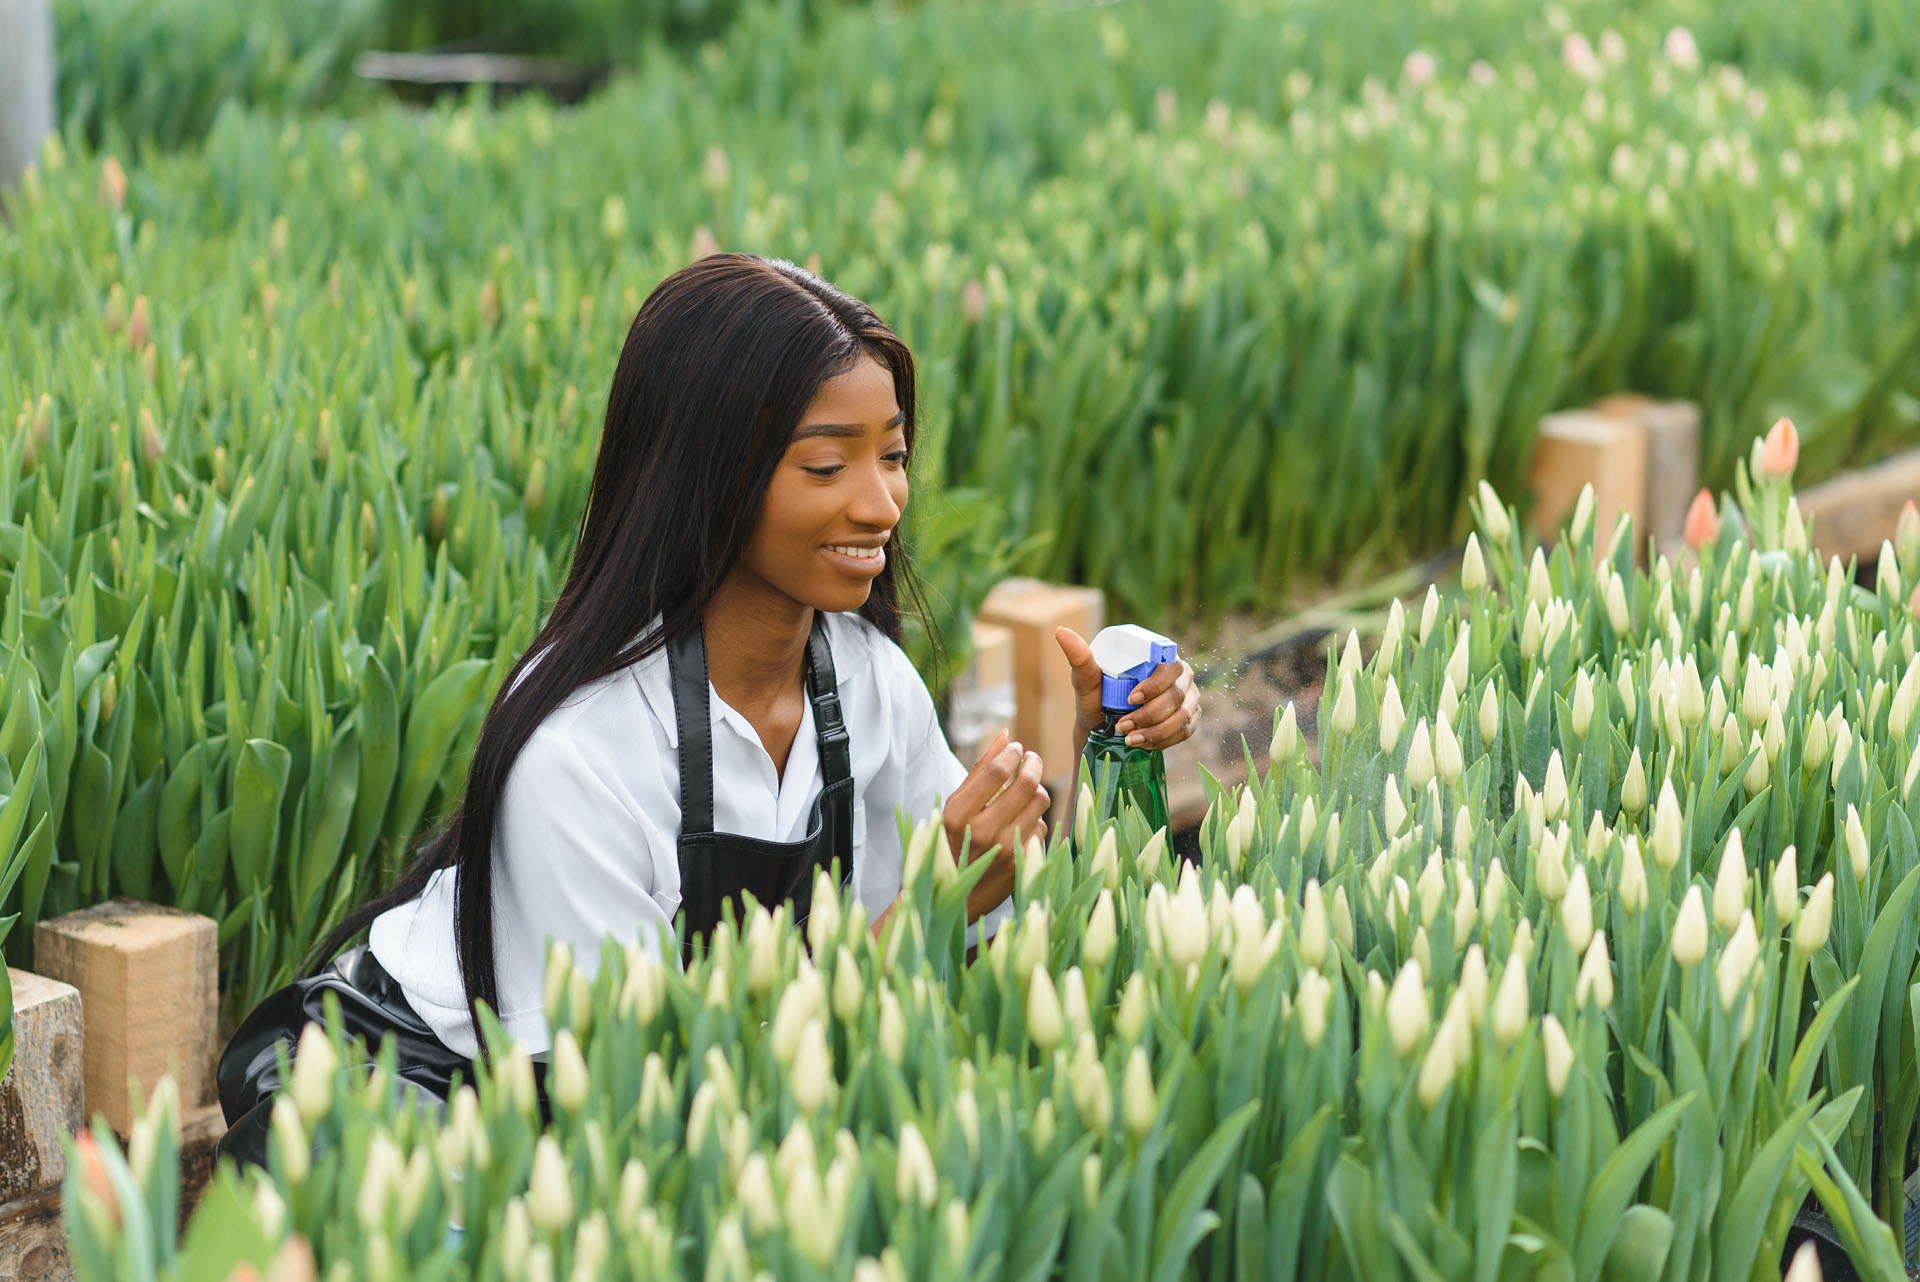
<point>1000,803</point>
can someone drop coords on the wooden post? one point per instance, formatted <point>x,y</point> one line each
<point>147,977</point>
<point>1672,431</point>
<point>1043,681</point>
<point>1579,448</point>
<point>983,698</point>
<point>40,1101</point>
<point>1855,512</point>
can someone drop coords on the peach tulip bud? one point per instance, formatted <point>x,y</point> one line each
<point>703,242</point>
<point>113,183</point>
<point>1419,68</point>
<point>1781,451</point>
<point>1703,521</point>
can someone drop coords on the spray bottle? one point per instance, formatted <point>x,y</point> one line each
<point>1127,654</point>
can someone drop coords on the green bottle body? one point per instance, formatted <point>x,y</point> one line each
<point>1119,771</point>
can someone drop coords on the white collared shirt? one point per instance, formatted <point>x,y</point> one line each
<point>586,842</point>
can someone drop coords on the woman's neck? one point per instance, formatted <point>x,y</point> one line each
<point>756,643</point>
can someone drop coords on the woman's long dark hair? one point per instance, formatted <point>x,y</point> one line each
<point>719,366</point>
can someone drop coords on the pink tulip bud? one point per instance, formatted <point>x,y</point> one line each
<point>1782,450</point>
<point>703,242</point>
<point>138,330</point>
<point>973,302</point>
<point>1913,602</point>
<point>1906,536</point>
<point>1703,521</point>
<point>1419,68</point>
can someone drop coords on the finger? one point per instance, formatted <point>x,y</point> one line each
<point>1165,677</point>
<point>993,749</point>
<point>1086,672</point>
<point>1153,712</point>
<point>1177,728</point>
<point>994,818</point>
<point>1032,822</point>
<point>984,782</point>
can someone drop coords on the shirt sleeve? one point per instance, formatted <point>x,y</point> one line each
<point>577,862</point>
<point>921,770</point>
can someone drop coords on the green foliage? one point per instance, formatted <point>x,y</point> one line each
<point>1444,1000</point>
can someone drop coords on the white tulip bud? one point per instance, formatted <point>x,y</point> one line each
<point>1139,1106</point>
<point>1045,1023</point>
<point>1340,917</point>
<point>1444,1056</point>
<point>1489,715</point>
<point>1091,1090</point>
<point>1816,919</point>
<point>1312,999</point>
<point>1786,887</point>
<point>1553,794</point>
<point>1345,708</point>
<point>1448,760</point>
<point>1559,1050</point>
<point>293,1155</point>
<point>1690,930</point>
<point>1408,1009</point>
<point>1736,961</point>
<point>1582,707</point>
<point>1806,1265</point>
<point>1666,828</point>
<point>1629,698</point>
<point>549,1188</point>
<point>1633,788</point>
<point>1595,980</point>
<point>1757,776</point>
<point>1691,696</point>
<point>1493,516</point>
<point>1533,631</point>
<point>754,1192</point>
<point>568,1071</point>
<point>516,1238</point>
<point>1392,717</point>
<point>1465,909</point>
<point>1388,655</point>
<point>1073,989</point>
<point>849,991</point>
<point>914,1179</point>
<point>1429,612</point>
<point>1633,876</point>
<point>1098,943</point>
<point>311,1081</point>
<point>1131,1019</point>
<point>1286,739</point>
<point>1493,899</point>
<point>1730,886</point>
<point>1473,567</point>
<point>1618,616</point>
<point>1550,868</point>
<point>1842,748</point>
<point>1148,860</point>
<point>1510,1002</point>
<point>1576,910</point>
<point>893,1027</point>
<point>1313,939</point>
<point>1459,663</point>
<point>1186,923</point>
<point>1239,836</point>
<point>1856,842</point>
<point>1474,983</point>
<point>1393,809</point>
<point>1420,764</point>
<point>1539,584</point>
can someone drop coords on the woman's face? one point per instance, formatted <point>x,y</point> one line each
<point>836,496</point>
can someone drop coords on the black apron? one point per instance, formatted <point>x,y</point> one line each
<point>716,871</point>
<point>716,868</point>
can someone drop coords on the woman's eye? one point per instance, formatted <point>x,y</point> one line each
<point>824,472</point>
<point>898,456</point>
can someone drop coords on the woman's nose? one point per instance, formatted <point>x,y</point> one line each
<point>878,504</point>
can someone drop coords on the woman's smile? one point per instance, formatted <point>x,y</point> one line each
<point>856,559</point>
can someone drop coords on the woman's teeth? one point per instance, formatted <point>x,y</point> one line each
<point>858,553</point>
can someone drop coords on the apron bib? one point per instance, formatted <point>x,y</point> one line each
<point>717,870</point>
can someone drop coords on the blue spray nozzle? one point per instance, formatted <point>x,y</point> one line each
<point>1127,653</point>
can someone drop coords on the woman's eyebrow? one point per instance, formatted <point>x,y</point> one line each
<point>810,430</point>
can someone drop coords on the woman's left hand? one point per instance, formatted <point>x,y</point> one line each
<point>1166,704</point>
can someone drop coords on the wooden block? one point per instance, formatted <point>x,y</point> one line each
<point>1043,681</point>
<point>33,1240</point>
<point>147,976</point>
<point>983,696</point>
<point>1853,513</point>
<point>1579,448</point>
<point>1672,431</point>
<point>40,1097</point>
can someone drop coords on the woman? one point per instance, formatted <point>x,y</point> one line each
<point>718,704</point>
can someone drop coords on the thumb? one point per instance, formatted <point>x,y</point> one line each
<point>993,749</point>
<point>1086,672</point>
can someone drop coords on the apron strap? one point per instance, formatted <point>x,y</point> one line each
<point>693,719</point>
